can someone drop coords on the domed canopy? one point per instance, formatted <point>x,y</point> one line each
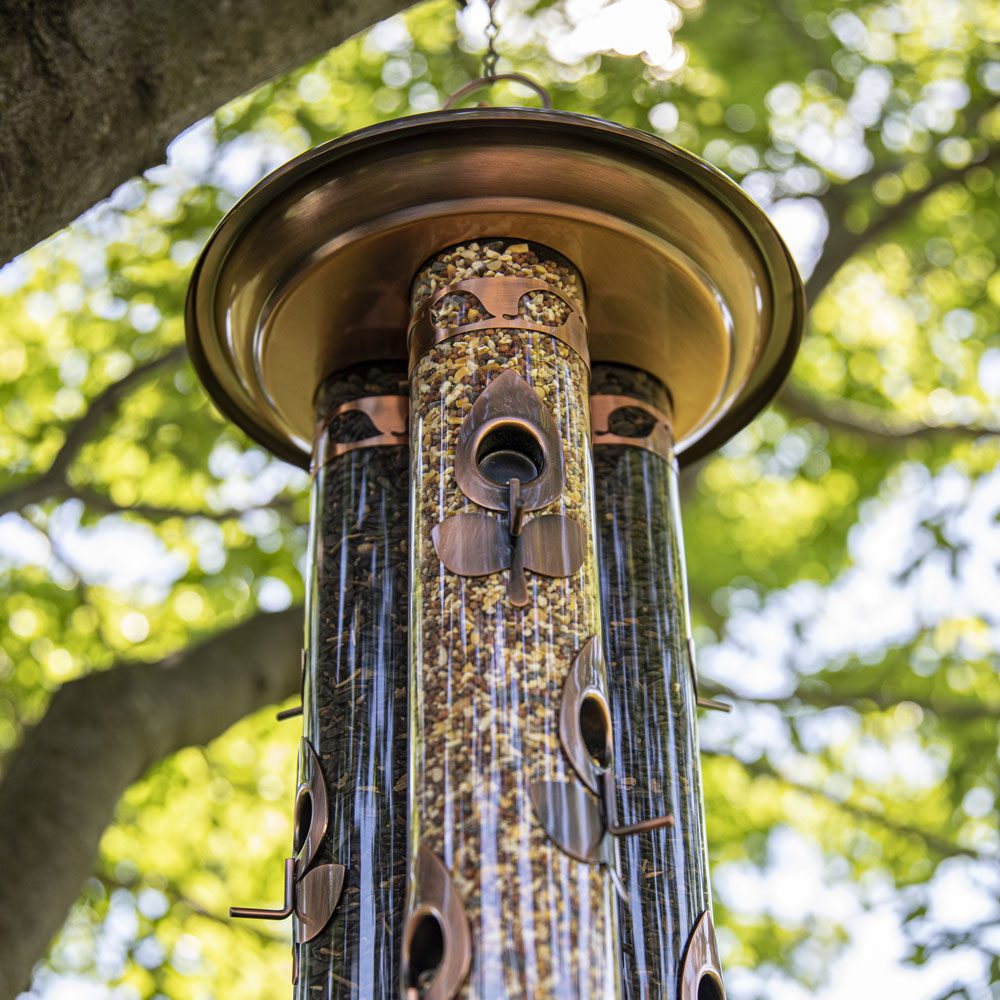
<point>310,272</point>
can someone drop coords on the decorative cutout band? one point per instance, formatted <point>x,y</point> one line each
<point>388,414</point>
<point>499,298</point>
<point>659,440</point>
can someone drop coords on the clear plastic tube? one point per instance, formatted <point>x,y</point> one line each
<point>355,691</point>
<point>488,661</point>
<point>640,555</point>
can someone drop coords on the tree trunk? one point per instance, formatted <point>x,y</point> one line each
<point>99,735</point>
<point>91,91</point>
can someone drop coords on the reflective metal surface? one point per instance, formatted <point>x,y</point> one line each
<point>480,544</point>
<point>585,690</point>
<point>701,961</point>
<point>316,898</point>
<point>685,275</point>
<point>282,912</point>
<point>437,975</point>
<point>659,439</point>
<point>311,806</point>
<point>388,415</point>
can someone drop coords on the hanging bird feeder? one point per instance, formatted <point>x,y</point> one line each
<point>492,333</point>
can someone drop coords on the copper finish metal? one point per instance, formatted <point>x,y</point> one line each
<point>701,960</point>
<point>659,440</point>
<point>313,785</point>
<point>582,682</point>
<point>388,414</point>
<point>316,898</point>
<point>281,913</point>
<point>712,705</point>
<point>482,82</point>
<point>508,401</point>
<point>499,297</point>
<point>686,277</point>
<point>435,897</point>
<point>480,545</point>
<point>572,820</point>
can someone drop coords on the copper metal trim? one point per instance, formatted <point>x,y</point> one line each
<point>509,400</point>
<point>659,441</point>
<point>434,896</point>
<point>389,415</point>
<point>482,82</point>
<point>264,913</point>
<point>701,960</point>
<point>313,785</point>
<point>316,898</point>
<point>282,294</point>
<point>584,681</point>
<point>713,705</point>
<point>481,544</point>
<point>572,819</point>
<point>500,296</point>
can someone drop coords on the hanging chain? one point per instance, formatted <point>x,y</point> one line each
<point>491,56</point>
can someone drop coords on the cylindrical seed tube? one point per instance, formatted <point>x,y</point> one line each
<point>652,693</point>
<point>355,692</point>
<point>504,599</point>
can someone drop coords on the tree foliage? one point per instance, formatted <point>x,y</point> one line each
<point>843,550</point>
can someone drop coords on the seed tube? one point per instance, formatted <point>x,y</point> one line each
<point>504,602</point>
<point>355,685</point>
<point>650,677</point>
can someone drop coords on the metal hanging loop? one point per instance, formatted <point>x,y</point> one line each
<point>484,82</point>
<point>490,76</point>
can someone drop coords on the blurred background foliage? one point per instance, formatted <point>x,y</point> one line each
<point>843,550</point>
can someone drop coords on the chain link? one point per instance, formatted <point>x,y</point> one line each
<point>491,56</point>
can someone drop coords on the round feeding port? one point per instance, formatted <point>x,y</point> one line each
<point>426,951</point>
<point>595,730</point>
<point>510,451</point>
<point>303,816</point>
<point>709,989</point>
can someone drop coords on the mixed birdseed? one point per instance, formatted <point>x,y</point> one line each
<point>651,690</point>
<point>486,678</point>
<point>356,692</point>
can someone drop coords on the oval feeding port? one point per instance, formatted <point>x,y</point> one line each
<point>510,451</point>
<point>303,816</point>
<point>426,952</point>
<point>709,989</point>
<point>595,729</point>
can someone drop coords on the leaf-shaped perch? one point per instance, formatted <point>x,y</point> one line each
<point>480,545</point>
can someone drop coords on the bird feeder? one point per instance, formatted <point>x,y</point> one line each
<point>492,334</point>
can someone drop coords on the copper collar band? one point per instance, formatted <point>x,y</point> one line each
<point>389,414</point>
<point>500,297</point>
<point>659,441</point>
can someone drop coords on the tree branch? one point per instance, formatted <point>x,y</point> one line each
<point>100,734</point>
<point>53,484</point>
<point>92,91</point>
<point>870,424</point>
<point>938,844</point>
<point>859,700</point>
<point>842,244</point>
